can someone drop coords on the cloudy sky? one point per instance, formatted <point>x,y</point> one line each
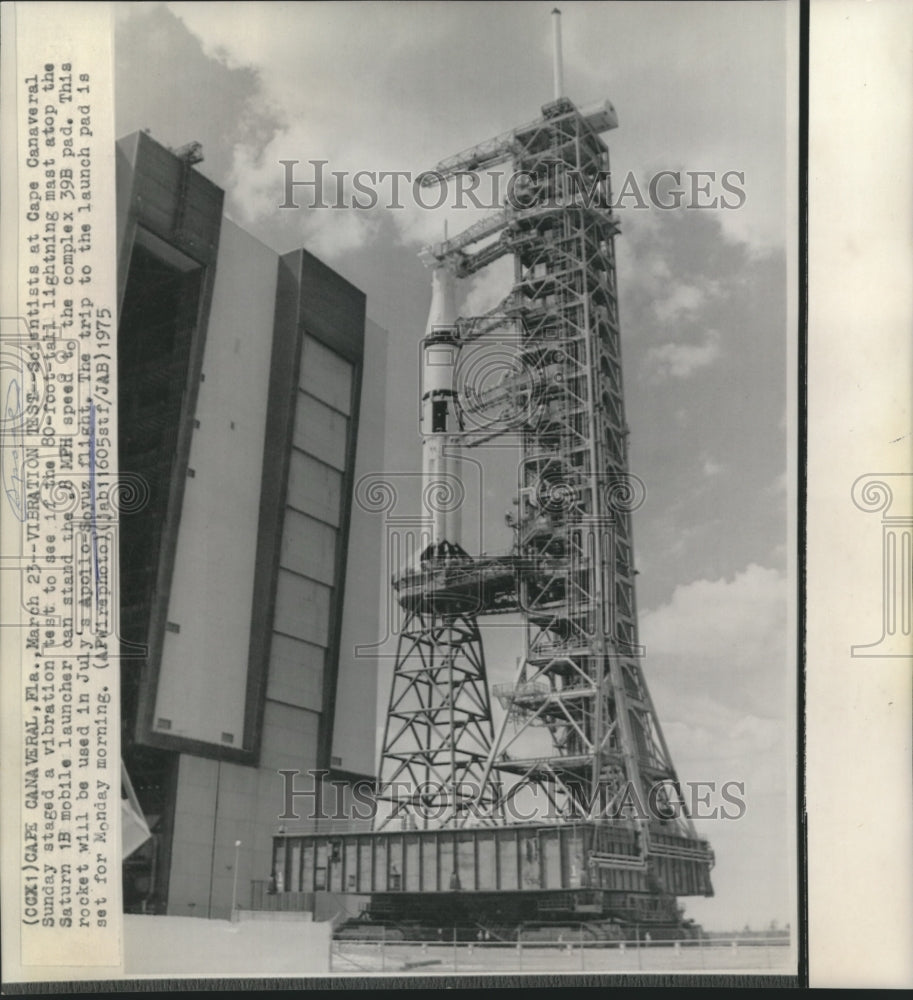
<point>698,87</point>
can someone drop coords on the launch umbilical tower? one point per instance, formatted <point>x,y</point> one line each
<point>611,840</point>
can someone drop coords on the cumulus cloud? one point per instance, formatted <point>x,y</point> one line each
<point>748,142</point>
<point>392,106</point>
<point>679,360</point>
<point>719,670</point>
<point>680,298</point>
<point>710,467</point>
<point>335,95</point>
<point>726,637</point>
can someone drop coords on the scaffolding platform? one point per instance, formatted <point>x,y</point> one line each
<point>464,585</point>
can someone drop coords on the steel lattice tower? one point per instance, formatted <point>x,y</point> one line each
<point>581,678</point>
<point>571,572</point>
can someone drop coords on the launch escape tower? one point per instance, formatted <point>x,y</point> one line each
<point>612,842</point>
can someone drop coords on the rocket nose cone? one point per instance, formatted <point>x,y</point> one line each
<point>443,299</point>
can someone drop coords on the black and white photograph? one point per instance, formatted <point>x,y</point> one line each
<point>439,496</point>
<point>475,628</point>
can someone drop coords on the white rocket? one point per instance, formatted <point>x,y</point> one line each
<point>442,489</point>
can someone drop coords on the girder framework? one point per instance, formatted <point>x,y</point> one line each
<point>438,729</point>
<point>580,682</point>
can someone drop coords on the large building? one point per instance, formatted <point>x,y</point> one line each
<point>247,579</point>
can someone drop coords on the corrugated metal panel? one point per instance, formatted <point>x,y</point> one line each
<point>365,863</point>
<point>351,866</point>
<point>302,608</point>
<point>307,869</point>
<point>395,863</point>
<point>289,737</point>
<point>551,859</point>
<point>314,487</point>
<point>309,547</point>
<point>466,860</point>
<point>574,857</point>
<point>157,185</point>
<point>326,375</point>
<point>487,861</point>
<point>332,309</point>
<point>320,867</point>
<point>382,865</point>
<point>508,860</point>
<point>320,431</point>
<point>294,882</point>
<point>548,858</point>
<point>429,865</point>
<point>412,876</point>
<point>335,864</point>
<point>296,672</point>
<point>530,870</point>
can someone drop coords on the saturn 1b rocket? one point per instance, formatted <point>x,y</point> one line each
<point>441,420</point>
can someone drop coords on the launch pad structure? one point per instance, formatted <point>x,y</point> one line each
<point>472,830</point>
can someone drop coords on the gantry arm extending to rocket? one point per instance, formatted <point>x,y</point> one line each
<point>600,117</point>
<point>465,264</point>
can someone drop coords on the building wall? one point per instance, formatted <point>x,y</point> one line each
<point>222,802</point>
<point>202,684</point>
<point>264,580</point>
<point>318,421</point>
<point>169,221</point>
<point>312,519</point>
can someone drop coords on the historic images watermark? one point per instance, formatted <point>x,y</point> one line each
<point>890,495</point>
<point>310,184</point>
<point>431,801</point>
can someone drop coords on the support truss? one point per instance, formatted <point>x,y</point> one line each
<point>438,730</point>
